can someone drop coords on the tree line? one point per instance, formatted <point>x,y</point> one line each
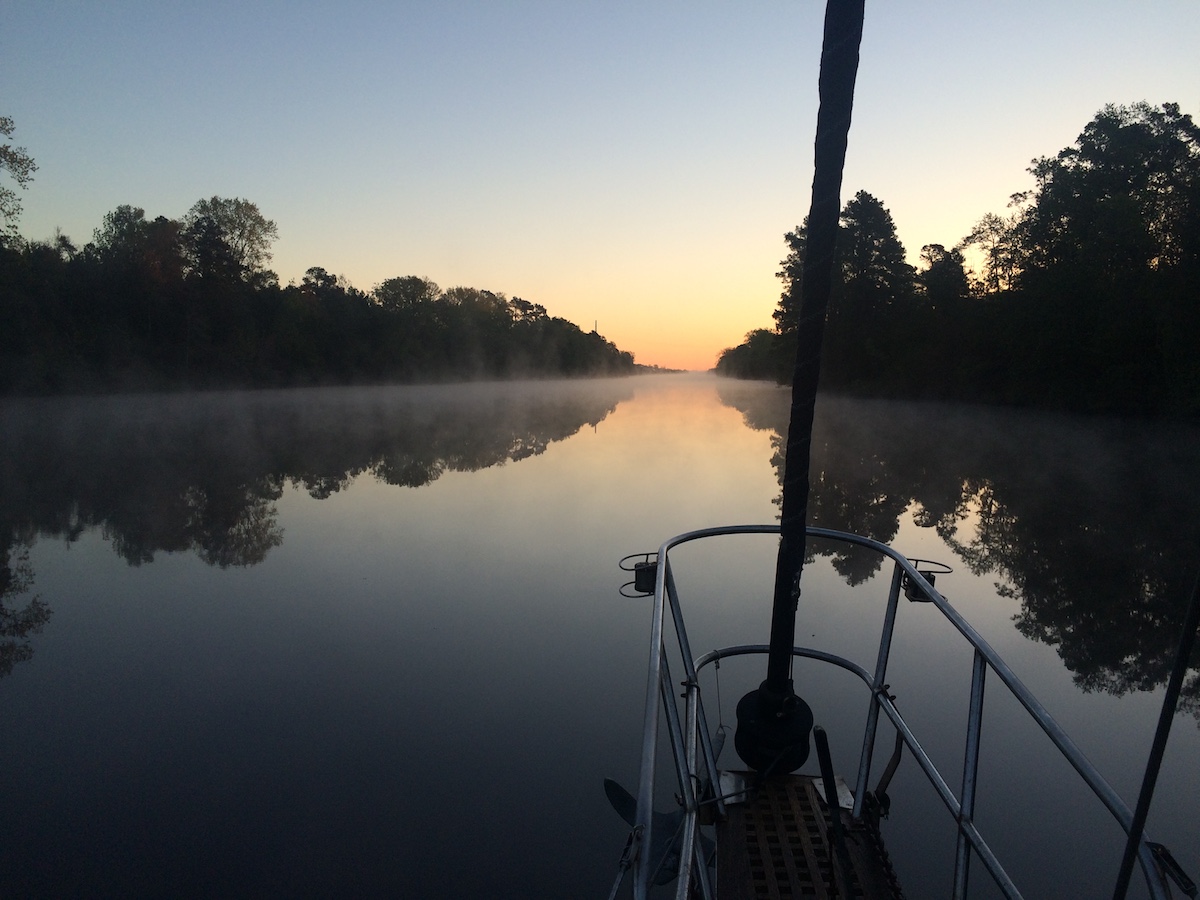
<point>190,302</point>
<point>1087,294</point>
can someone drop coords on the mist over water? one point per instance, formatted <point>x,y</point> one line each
<point>368,642</point>
<point>202,472</point>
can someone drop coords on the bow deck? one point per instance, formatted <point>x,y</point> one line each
<point>775,843</point>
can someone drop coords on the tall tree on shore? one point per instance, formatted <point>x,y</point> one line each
<point>791,273</point>
<point>1124,198</point>
<point>944,278</point>
<point>121,236</point>
<point>247,232</point>
<point>872,281</point>
<point>405,292</point>
<point>1108,248</point>
<point>871,273</point>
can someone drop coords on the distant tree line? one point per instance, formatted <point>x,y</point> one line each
<point>1087,298</point>
<point>156,303</point>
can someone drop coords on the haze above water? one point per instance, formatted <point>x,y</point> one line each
<point>369,642</point>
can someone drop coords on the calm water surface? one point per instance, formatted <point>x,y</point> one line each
<point>369,642</point>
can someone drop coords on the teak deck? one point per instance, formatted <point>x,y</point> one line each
<point>777,845</point>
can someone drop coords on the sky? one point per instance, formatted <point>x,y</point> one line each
<point>631,166</point>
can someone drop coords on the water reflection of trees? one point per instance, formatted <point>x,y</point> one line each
<point>1089,524</point>
<point>202,473</point>
<point>20,616</point>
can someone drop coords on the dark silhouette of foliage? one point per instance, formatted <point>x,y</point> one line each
<point>20,166</point>
<point>17,622</point>
<point>245,232</point>
<point>189,303</point>
<point>758,356</point>
<point>943,277</point>
<point>873,289</point>
<point>872,286</point>
<point>1088,298</point>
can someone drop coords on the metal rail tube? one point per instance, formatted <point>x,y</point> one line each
<point>877,687</point>
<point>978,844</point>
<point>645,797</point>
<point>1040,715</point>
<point>690,855</point>
<point>689,858</point>
<point>675,732</point>
<point>688,838</point>
<point>1067,747</point>
<point>678,752</point>
<point>1086,770</point>
<point>943,790</point>
<point>807,652</point>
<point>687,844</point>
<point>1191,620</point>
<point>685,649</point>
<point>962,856</point>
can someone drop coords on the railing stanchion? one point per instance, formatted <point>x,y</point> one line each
<point>661,690</point>
<point>1187,640</point>
<point>962,856</point>
<point>689,666</point>
<point>877,685</point>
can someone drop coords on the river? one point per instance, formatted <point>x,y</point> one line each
<point>369,642</point>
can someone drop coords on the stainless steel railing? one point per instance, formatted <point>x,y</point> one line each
<point>695,759</point>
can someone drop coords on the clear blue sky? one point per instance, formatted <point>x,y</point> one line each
<point>633,164</point>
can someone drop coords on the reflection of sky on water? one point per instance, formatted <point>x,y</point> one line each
<point>419,690</point>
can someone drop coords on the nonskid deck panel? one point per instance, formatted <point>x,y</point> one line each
<point>776,846</point>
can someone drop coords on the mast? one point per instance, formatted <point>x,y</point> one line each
<point>773,722</point>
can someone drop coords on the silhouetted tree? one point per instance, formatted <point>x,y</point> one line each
<point>944,278</point>
<point>20,166</point>
<point>121,237</point>
<point>875,275</point>
<point>1109,256</point>
<point>1088,291</point>
<point>167,303</point>
<point>873,284</point>
<point>245,230</point>
<point>405,293</point>
<point>758,356</point>
<point>211,259</point>
<point>791,273</point>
